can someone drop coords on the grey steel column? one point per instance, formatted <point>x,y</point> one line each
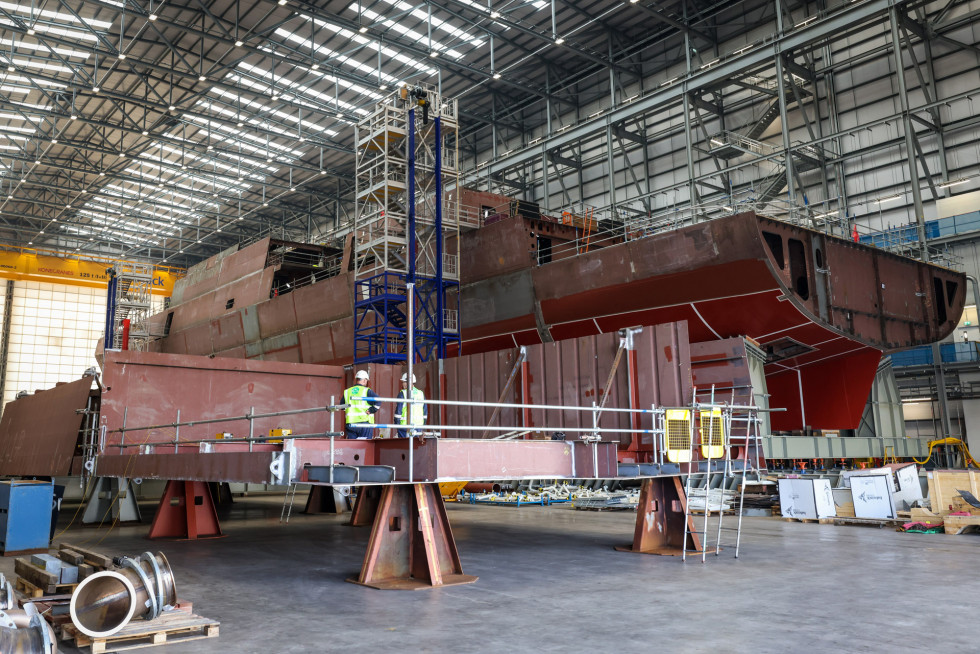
<point>8,306</point>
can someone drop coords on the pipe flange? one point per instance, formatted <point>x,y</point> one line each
<point>6,621</point>
<point>38,623</point>
<point>158,575</point>
<point>151,596</point>
<point>73,606</point>
<point>7,600</point>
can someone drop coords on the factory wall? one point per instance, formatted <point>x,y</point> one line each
<point>53,333</point>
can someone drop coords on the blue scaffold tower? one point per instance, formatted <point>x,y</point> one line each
<point>406,233</point>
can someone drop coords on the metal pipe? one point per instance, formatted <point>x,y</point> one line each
<point>105,602</point>
<point>24,631</point>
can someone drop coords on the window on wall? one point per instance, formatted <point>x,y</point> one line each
<point>53,332</point>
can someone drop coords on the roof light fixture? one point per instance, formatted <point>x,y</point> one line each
<point>559,40</point>
<point>954,182</point>
<point>239,43</point>
<point>496,75</point>
<point>153,17</point>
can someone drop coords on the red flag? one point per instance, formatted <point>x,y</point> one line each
<point>854,234</point>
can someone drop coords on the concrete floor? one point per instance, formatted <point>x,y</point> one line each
<point>550,581</point>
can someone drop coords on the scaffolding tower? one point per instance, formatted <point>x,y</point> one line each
<point>407,163</point>
<point>129,306</point>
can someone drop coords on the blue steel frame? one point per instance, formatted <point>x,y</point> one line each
<point>381,312</point>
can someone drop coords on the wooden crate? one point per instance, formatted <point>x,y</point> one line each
<point>171,627</point>
<point>943,487</point>
<point>960,524</point>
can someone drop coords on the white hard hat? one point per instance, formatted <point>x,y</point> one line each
<point>362,374</point>
<point>405,377</point>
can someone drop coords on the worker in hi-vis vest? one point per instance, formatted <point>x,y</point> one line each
<point>407,413</point>
<point>361,406</point>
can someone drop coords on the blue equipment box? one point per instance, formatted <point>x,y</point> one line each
<point>25,515</point>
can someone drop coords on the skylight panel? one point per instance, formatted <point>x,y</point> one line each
<point>438,23</point>
<point>56,31</point>
<point>34,63</point>
<point>45,48</point>
<point>410,33</point>
<point>277,113</point>
<point>33,11</point>
<point>369,43</point>
<point>39,82</point>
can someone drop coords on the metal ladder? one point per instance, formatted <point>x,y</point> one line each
<point>716,473</point>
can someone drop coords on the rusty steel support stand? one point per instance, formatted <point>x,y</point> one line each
<point>365,506</point>
<point>186,512</point>
<point>660,519</point>
<point>411,546</point>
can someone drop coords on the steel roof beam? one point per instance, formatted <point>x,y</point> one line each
<point>739,64</point>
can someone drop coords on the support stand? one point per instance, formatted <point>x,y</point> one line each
<point>186,512</point>
<point>365,506</point>
<point>325,499</point>
<point>411,544</point>
<point>660,519</point>
<point>112,499</point>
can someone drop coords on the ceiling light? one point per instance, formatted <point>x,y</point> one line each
<point>315,67</point>
<point>559,40</point>
<point>433,54</point>
<point>292,188</point>
<point>30,242</point>
<point>67,206</point>
<point>172,108</point>
<point>30,32</point>
<point>153,16</point>
<point>264,204</point>
<point>11,68</point>
<point>54,141</point>
<point>10,197</point>
<point>101,173</point>
<point>202,78</point>
<point>145,133</point>
<point>37,161</point>
<point>121,55</point>
<point>95,89</point>
<point>340,115</point>
<point>122,155</point>
<point>363,29</point>
<point>494,14</point>
<point>496,75</point>
<point>954,182</point>
<point>383,87</point>
<point>239,43</point>
<point>74,116</point>
<point>323,172</point>
<point>888,198</point>
<point>275,97</point>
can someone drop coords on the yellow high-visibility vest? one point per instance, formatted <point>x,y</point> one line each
<point>418,410</point>
<point>355,398</point>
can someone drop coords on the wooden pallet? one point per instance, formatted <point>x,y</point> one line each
<point>867,522</point>
<point>171,627</point>
<point>31,591</point>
